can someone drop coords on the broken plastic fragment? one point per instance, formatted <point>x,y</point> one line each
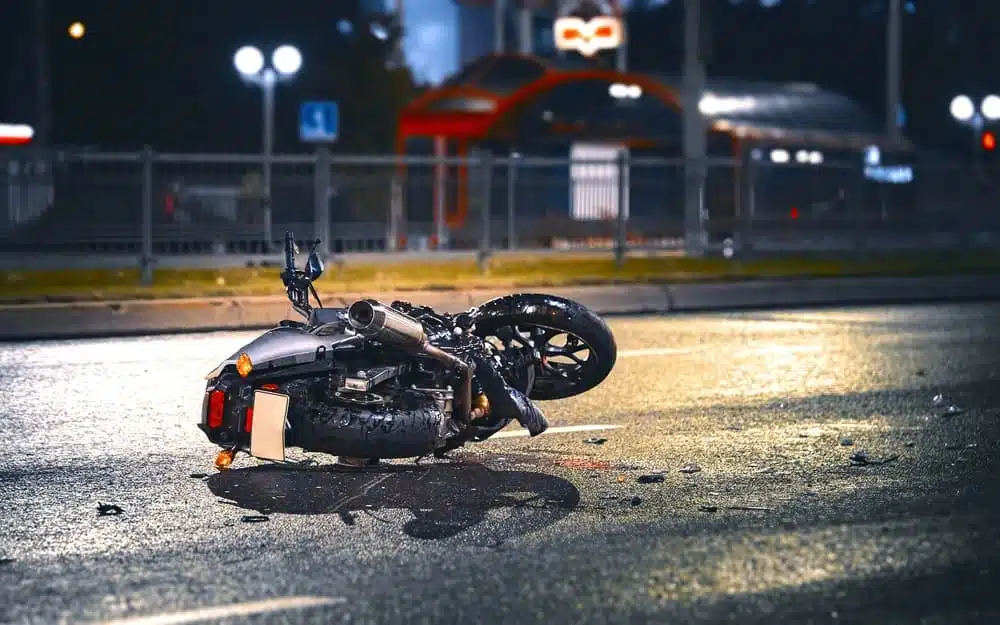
<point>951,411</point>
<point>259,518</point>
<point>860,458</point>
<point>636,501</point>
<point>847,441</point>
<point>651,478</point>
<point>689,468</point>
<point>708,508</point>
<point>595,441</point>
<point>108,509</point>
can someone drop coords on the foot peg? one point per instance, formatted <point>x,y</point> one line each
<point>529,416</point>
<point>508,402</point>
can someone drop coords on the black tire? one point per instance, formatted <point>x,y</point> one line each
<point>561,315</point>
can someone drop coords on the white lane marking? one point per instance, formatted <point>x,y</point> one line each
<point>676,351</point>
<point>561,430</point>
<point>229,611</point>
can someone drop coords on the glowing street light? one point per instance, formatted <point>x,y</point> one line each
<point>77,30</point>
<point>964,110</point>
<point>990,107</point>
<point>250,64</point>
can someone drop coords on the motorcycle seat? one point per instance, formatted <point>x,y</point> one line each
<point>322,316</point>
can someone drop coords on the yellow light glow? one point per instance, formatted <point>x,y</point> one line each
<point>243,365</point>
<point>77,30</point>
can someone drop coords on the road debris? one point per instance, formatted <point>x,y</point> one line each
<point>952,411</point>
<point>622,478</point>
<point>949,409</point>
<point>708,508</point>
<point>957,446</point>
<point>595,441</point>
<point>651,478</point>
<point>6,561</point>
<point>108,509</point>
<point>254,518</point>
<point>198,476</point>
<point>862,459</point>
<point>690,468</point>
<point>636,501</point>
<point>749,508</point>
<point>909,444</point>
<point>847,441</point>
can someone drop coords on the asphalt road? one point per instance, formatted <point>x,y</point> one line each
<point>777,526</point>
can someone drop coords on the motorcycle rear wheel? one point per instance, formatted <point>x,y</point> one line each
<point>564,367</point>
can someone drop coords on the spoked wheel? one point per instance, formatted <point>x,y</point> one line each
<point>570,348</point>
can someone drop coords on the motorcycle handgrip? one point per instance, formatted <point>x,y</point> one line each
<point>289,253</point>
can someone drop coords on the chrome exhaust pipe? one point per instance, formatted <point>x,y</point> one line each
<point>387,325</point>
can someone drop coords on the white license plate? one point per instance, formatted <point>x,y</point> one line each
<point>267,437</point>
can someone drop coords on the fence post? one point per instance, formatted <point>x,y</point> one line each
<point>511,201</point>
<point>621,219</point>
<point>486,165</point>
<point>321,195</point>
<point>748,211</point>
<point>860,211</point>
<point>146,260</point>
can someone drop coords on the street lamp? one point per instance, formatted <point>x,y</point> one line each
<point>963,109</point>
<point>250,64</point>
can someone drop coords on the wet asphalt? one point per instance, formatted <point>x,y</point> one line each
<point>770,521</point>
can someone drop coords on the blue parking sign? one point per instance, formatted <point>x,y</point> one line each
<point>319,122</point>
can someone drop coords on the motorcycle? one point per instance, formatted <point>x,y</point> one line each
<point>375,381</point>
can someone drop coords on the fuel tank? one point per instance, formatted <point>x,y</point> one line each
<point>289,346</point>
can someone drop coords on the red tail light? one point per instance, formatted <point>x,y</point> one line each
<point>216,404</point>
<point>269,387</point>
<point>248,422</point>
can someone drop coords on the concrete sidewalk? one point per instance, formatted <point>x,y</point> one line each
<point>94,319</point>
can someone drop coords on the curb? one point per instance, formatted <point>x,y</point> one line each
<point>130,318</point>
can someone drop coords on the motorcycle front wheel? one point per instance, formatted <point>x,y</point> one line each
<point>572,347</point>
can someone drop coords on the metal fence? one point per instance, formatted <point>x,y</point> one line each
<point>213,208</point>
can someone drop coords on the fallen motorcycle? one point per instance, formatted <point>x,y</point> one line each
<point>372,381</point>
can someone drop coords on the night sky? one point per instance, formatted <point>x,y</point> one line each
<point>161,73</point>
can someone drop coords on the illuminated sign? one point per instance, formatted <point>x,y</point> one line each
<point>587,27</point>
<point>16,134</point>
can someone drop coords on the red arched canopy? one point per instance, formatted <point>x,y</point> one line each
<point>463,112</point>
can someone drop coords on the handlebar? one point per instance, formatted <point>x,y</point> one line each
<point>289,253</point>
<point>297,285</point>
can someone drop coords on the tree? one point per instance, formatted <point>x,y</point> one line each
<point>371,84</point>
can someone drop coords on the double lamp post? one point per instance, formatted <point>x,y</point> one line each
<point>252,67</point>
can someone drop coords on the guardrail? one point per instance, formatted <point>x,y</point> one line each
<point>211,209</point>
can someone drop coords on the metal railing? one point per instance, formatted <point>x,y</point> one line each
<point>209,208</point>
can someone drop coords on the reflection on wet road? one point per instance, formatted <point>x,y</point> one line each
<point>770,521</point>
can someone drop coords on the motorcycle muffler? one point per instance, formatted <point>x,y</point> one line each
<point>391,327</point>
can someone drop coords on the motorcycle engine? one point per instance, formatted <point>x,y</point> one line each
<point>390,411</point>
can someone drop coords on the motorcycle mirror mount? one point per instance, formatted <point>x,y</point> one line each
<point>314,265</point>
